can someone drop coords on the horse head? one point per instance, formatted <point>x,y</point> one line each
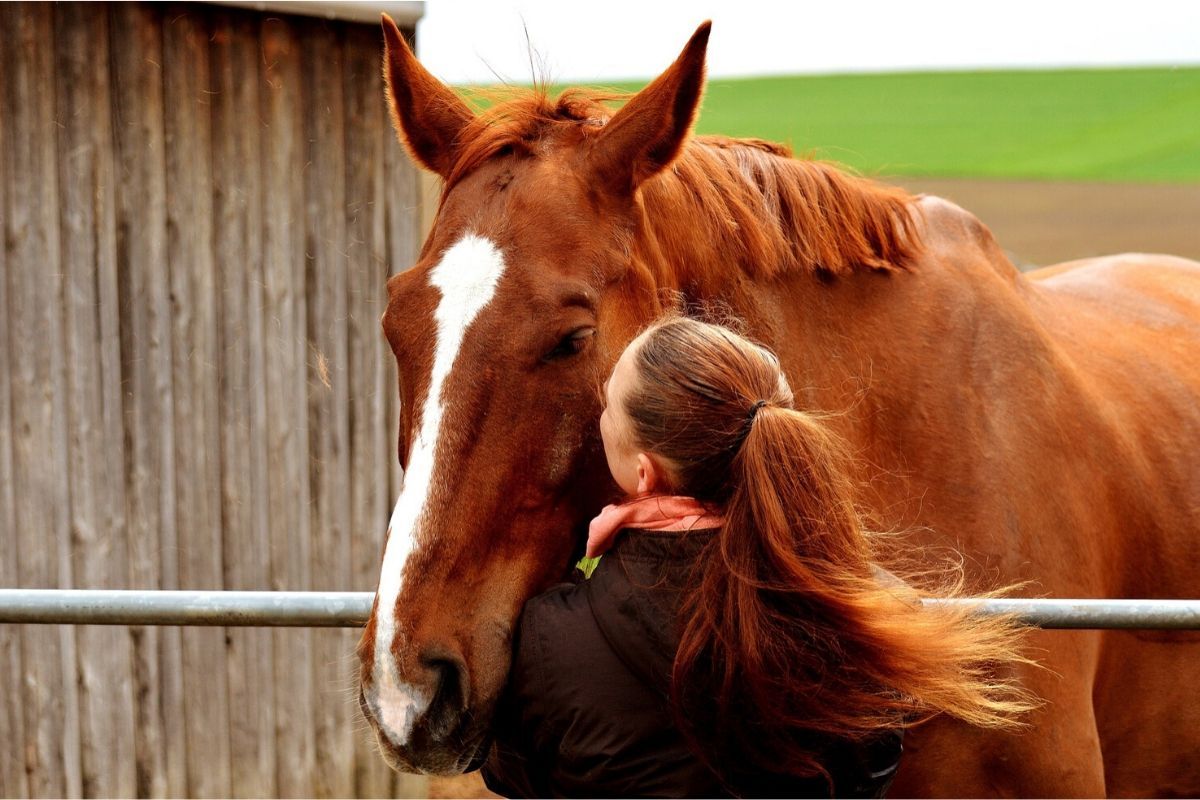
<point>528,287</point>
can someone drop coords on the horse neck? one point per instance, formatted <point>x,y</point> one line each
<point>859,339</point>
<point>729,211</point>
<point>683,254</point>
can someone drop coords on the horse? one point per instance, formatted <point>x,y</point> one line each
<point>1044,425</point>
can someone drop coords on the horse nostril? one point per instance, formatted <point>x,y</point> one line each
<point>452,688</point>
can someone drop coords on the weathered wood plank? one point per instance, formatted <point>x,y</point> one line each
<point>37,393</point>
<point>237,208</point>
<point>187,96</point>
<point>103,669</point>
<point>12,765</point>
<point>136,46</point>
<point>284,340</point>
<point>366,297</point>
<point>325,283</point>
<point>13,781</point>
<point>219,339</point>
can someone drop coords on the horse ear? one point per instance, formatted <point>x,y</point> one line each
<point>646,135</point>
<point>428,116</point>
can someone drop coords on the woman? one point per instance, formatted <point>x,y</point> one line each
<point>740,637</point>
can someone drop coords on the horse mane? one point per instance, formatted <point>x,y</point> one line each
<point>770,212</point>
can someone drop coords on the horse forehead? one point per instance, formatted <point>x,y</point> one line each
<point>466,278</point>
<point>467,268</point>
<point>518,191</point>
<point>466,275</point>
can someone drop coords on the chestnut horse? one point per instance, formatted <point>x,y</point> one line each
<point>1045,425</point>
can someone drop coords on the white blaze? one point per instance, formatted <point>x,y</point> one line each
<point>466,277</point>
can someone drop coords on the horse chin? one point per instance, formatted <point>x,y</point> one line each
<point>441,763</point>
<point>464,750</point>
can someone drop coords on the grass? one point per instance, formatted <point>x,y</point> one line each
<point>1138,125</point>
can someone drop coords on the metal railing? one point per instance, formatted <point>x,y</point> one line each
<point>351,609</point>
<point>235,609</point>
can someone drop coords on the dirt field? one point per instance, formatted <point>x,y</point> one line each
<point>1041,223</point>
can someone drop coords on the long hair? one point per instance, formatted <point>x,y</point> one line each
<point>793,636</point>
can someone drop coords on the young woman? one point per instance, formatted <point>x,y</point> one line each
<point>740,635</point>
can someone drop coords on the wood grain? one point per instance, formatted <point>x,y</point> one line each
<point>237,210</point>
<point>146,369</point>
<point>188,138</point>
<point>13,781</point>
<point>40,491</point>
<point>103,670</point>
<point>329,411</point>
<point>200,207</point>
<point>285,348</point>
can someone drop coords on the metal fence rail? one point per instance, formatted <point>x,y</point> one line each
<point>1093,614</point>
<point>132,607</point>
<point>351,609</point>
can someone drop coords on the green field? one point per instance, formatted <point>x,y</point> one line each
<point>1109,125</point>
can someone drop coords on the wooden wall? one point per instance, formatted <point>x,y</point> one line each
<point>199,207</point>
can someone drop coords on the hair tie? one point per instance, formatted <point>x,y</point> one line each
<point>754,409</point>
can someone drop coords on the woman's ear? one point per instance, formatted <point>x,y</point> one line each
<point>650,475</point>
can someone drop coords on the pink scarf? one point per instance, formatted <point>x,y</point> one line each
<point>652,512</point>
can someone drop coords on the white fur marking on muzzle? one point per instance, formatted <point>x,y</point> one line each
<point>466,277</point>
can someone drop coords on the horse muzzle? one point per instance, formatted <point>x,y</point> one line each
<point>425,724</point>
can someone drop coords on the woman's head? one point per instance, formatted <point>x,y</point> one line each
<point>680,403</point>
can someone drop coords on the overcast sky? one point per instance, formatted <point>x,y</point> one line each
<point>467,41</point>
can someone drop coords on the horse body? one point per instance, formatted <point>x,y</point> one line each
<point>1043,425</point>
<point>1128,324</point>
<point>1045,434</point>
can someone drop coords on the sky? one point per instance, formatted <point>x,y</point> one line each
<point>474,41</point>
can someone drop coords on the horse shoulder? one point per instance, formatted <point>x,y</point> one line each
<point>1131,320</point>
<point>1130,325</point>
<point>1044,391</point>
<point>1076,462</point>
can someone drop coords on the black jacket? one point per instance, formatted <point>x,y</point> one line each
<point>587,711</point>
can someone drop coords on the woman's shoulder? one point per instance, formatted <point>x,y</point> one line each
<point>560,602</point>
<point>556,638</point>
<point>580,716</point>
<point>615,632</point>
<point>640,559</point>
<point>557,629</point>
<point>604,640</point>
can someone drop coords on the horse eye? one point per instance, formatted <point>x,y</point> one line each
<point>572,344</point>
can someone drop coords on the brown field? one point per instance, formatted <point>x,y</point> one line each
<point>1046,222</point>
